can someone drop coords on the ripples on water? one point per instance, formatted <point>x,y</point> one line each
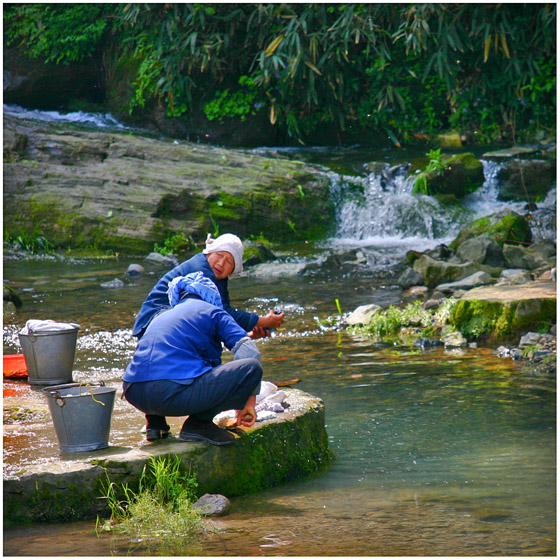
<point>438,453</point>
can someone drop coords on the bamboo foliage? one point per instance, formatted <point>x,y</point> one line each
<point>318,62</point>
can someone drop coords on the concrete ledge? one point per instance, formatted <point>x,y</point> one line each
<point>293,445</point>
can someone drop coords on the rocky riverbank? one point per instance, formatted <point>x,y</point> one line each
<point>85,188</point>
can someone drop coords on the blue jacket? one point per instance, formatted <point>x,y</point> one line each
<point>183,343</point>
<point>157,299</point>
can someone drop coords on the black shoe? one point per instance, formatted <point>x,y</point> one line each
<point>205,430</point>
<point>153,434</point>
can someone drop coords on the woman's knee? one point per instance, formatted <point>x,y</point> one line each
<point>254,367</point>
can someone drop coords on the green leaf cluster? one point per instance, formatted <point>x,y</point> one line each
<point>406,69</point>
<point>62,33</point>
<point>177,244</point>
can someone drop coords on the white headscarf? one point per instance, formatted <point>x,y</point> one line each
<point>230,243</point>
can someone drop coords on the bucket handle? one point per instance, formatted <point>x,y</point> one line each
<point>61,402</point>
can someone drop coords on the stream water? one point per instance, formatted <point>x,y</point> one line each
<point>438,453</point>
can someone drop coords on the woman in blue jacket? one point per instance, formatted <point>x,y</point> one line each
<point>222,257</point>
<point>176,369</point>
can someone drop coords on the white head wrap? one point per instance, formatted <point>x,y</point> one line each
<point>227,242</point>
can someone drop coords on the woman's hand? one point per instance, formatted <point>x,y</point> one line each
<point>248,416</point>
<point>259,332</point>
<point>271,321</point>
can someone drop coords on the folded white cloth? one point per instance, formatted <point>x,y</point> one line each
<point>270,406</point>
<point>267,388</point>
<point>40,325</point>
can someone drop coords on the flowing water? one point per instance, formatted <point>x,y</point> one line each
<point>449,453</point>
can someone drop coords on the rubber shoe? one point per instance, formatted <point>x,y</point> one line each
<point>200,430</point>
<point>153,434</point>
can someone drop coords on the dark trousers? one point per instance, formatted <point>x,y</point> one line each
<point>225,387</point>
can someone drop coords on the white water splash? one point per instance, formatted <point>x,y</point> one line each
<point>380,210</point>
<point>101,120</point>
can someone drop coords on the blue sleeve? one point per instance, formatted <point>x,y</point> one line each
<point>229,332</point>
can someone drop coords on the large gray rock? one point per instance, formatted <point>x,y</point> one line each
<point>410,277</point>
<point>66,487</point>
<point>479,278</point>
<point>212,505</point>
<point>362,315</point>
<point>481,249</point>
<point>517,256</point>
<point>461,174</point>
<point>504,226</point>
<point>438,272</point>
<point>127,192</point>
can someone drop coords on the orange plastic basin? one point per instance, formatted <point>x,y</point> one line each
<point>15,366</point>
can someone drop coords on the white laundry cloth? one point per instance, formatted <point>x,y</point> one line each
<point>267,388</point>
<point>40,325</point>
<point>269,403</point>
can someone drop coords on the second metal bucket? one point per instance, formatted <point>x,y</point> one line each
<point>49,355</point>
<point>81,415</point>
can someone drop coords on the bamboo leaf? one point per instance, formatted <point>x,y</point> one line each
<point>274,45</point>
<point>487,47</point>
<point>273,115</point>
<point>504,45</point>
<point>313,67</point>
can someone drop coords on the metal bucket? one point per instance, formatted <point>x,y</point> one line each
<point>81,415</point>
<point>49,355</point>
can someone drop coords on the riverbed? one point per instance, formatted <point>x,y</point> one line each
<point>439,452</point>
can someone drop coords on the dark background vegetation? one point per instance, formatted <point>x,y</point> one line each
<point>403,70</point>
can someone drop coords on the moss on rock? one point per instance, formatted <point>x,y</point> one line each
<point>460,175</point>
<point>293,445</point>
<point>125,192</point>
<point>502,321</point>
<point>503,227</point>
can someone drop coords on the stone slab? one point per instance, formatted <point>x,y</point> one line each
<point>504,292</point>
<point>69,486</point>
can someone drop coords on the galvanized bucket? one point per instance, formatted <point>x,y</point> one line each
<point>81,415</point>
<point>49,355</point>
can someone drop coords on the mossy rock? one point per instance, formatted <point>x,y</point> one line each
<point>125,192</point>
<point>291,446</point>
<point>462,174</point>
<point>502,321</point>
<point>503,227</point>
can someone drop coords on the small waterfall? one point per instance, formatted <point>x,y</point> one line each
<point>380,210</point>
